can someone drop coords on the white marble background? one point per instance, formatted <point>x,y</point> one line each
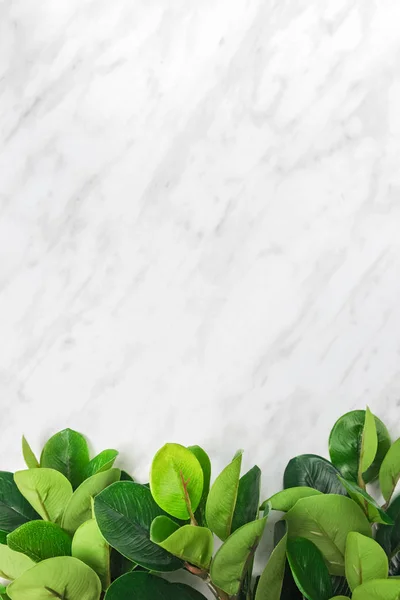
<point>199,223</point>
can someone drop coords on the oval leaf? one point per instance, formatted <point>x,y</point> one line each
<point>176,480</point>
<point>248,498</point>
<point>230,562</point>
<point>312,471</point>
<point>29,457</point>
<point>91,548</point>
<point>47,490</point>
<point>345,445</point>
<point>79,508</point>
<point>309,569</point>
<point>124,513</point>
<point>270,584</point>
<point>67,452</point>
<point>365,560</point>
<point>40,540</point>
<point>221,500</point>
<point>101,462</point>
<point>389,473</point>
<point>326,521</point>
<point>368,505</point>
<point>61,577</point>
<point>378,589</point>
<point>143,586</point>
<point>14,508</point>
<point>286,499</point>
<point>13,564</point>
<point>191,544</point>
<point>205,464</point>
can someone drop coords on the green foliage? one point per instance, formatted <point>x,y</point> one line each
<point>309,569</point>
<point>47,490</point>
<point>15,510</point>
<point>138,586</point>
<point>271,581</point>
<point>365,560</point>
<point>67,452</point>
<point>40,540</point>
<point>312,471</point>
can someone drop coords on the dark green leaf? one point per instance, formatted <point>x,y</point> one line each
<point>101,462</point>
<point>370,507</point>
<point>248,498</point>
<point>119,564</point>
<point>144,586</point>
<point>340,586</point>
<point>205,464</point>
<point>14,509</point>
<point>126,477</point>
<point>3,536</point>
<point>40,540</point>
<point>67,452</point>
<point>313,471</point>
<point>309,569</point>
<point>388,536</point>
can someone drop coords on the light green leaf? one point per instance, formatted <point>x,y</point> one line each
<point>369,443</point>
<point>101,462</point>
<point>191,544</point>
<point>286,499</point>
<point>309,569</point>
<point>14,508</point>
<point>79,508</point>
<point>378,589</point>
<point>313,471</point>
<point>145,586</point>
<point>326,521</point>
<point>248,498</point>
<point>221,500</point>
<point>47,490</point>
<point>13,564</point>
<point>270,584</point>
<point>389,473</point>
<point>67,452</point>
<point>365,560</point>
<point>40,540</point>
<point>29,456</point>
<point>231,560</point>
<point>176,480</point>
<point>368,505</point>
<point>205,464</point>
<point>61,577</point>
<point>91,548</point>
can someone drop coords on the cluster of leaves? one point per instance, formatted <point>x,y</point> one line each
<point>79,529</point>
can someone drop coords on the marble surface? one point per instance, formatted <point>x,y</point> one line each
<point>199,224</point>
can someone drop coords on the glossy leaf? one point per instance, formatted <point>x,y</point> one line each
<point>13,564</point>
<point>378,589</point>
<point>389,473</point>
<point>312,471</point>
<point>67,452</point>
<point>91,548</point>
<point>365,560</point>
<point>29,456</point>
<point>145,586</point>
<point>191,544</point>
<point>55,577</point>
<point>205,464</point>
<point>326,521</point>
<point>309,569</point>
<point>221,500</point>
<point>102,462</point>
<point>47,490</point>
<point>270,584</point>
<point>176,480</point>
<point>40,540</point>
<point>79,508</point>
<point>14,508</point>
<point>345,445</point>
<point>229,565</point>
<point>248,498</point>
<point>369,442</point>
<point>369,506</point>
<point>124,513</point>
<point>389,537</point>
<point>286,499</point>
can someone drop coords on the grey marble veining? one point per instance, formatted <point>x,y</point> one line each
<point>199,224</point>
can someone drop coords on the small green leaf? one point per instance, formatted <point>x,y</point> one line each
<point>378,589</point>
<point>191,544</point>
<point>365,560</point>
<point>101,462</point>
<point>229,565</point>
<point>205,464</point>
<point>145,586</point>
<point>389,473</point>
<point>176,480</point>
<point>13,564</point>
<point>91,548</point>
<point>14,508</point>
<point>67,452</point>
<point>248,498</point>
<point>40,540</point>
<point>369,443</point>
<point>79,508</point>
<point>221,500</point>
<point>62,577</point>
<point>47,490</point>
<point>29,457</point>
<point>286,499</point>
<point>309,569</point>
<point>313,471</point>
<point>270,584</point>
<point>369,506</point>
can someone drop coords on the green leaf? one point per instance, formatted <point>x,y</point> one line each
<point>340,598</point>
<point>340,586</point>
<point>378,589</point>
<point>231,560</point>
<point>124,513</point>
<point>286,499</point>
<point>101,462</point>
<point>119,565</point>
<point>176,480</point>
<point>47,490</point>
<point>270,584</point>
<point>14,509</point>
<point>91,548</point>
<point>389,473</point>
<point>221,500</point>
<point>40,540</point>
<point>368,505</point>
<point>326,521</point>
<point>345,443</point>
<point>3,536</point>
<point>79,508</point>
<point>126,477</point>
<point>312,471</point>
<point>29,457</point>
<point>67,452</point>
<point>13,564</point>
<point>389,537</point>
<point>369,443</point>
<point>365,560</point>
<point>248,498</point>
<point>191,544</point>
<point>309,569</point>
<point>144,586</point>
<point>205,464</point>
<point>61,577</point>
